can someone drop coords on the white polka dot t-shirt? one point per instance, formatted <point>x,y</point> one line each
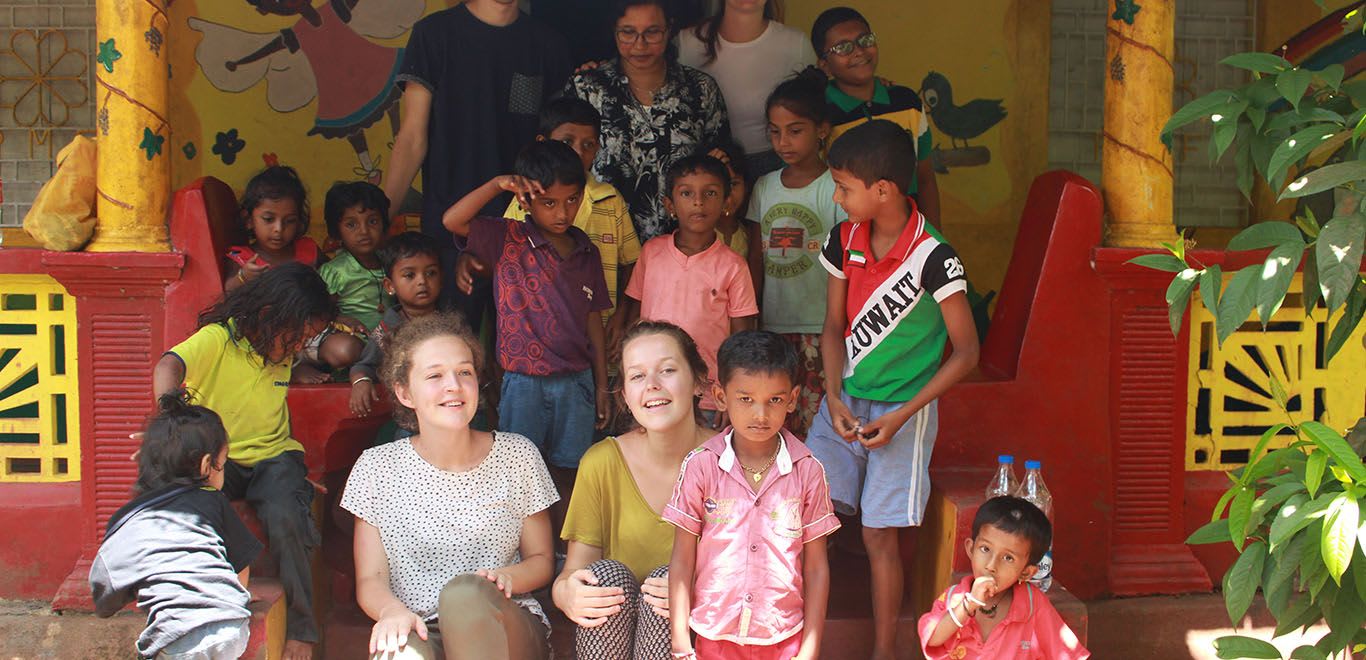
<point>436,525</point>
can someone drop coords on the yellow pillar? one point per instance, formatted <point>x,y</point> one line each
<point>1136,168</point>
<point>132,82</point>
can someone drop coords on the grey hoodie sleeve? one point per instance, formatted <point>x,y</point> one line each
<point>109,595</point>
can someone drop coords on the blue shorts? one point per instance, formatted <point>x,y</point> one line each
<point>890,484</point>
<point>556,412</point>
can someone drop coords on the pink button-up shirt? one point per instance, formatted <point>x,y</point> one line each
<point>1032,630</point>
<point>748,585</point>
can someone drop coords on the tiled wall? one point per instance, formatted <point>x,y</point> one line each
<point>46,91</point>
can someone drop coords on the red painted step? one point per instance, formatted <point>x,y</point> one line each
<point>267,620</point>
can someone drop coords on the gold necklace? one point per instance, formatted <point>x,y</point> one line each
<point>758,475</point>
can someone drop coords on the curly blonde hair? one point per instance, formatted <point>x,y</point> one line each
<point>399,349</point>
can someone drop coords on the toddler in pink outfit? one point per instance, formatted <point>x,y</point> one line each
<point>996,613</point>
<point>748,573</point>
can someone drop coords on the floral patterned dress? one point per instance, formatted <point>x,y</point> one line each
<point>640,142</point>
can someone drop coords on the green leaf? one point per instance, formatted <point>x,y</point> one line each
<point>1238,515</point>
<point>1237,302</point>
<point>1347,617</point>
<point>1241,581</point>
<point>1276,596</point>
<point>1331,75</point>
<point>1289,561</point>
<point>1324,178</point>
<point>1359,568</point>
<point>1312,293</point>
<point>1293,83</point>
<point>1294,515</point>
<point>1178,297</point>
<point>1237,646</point>
<point>1262,235</point>
<point>1163,262</point>
<point>1262,146</point>
<point>1301,613</point>
<point>1340,535</point>
<point>1338,249</point>
<point>1313,472</point>
<point>1307,652</point>
<point>1350,319</point>
<point>1277,392</point>
<point>1223,137</point>
<point>1198,109</point>
<point>1261,63</point>
<point>1223,502</point>
<point>1244,170</point>
<point>1211,532</point>
<point>1256,456</point>
<point>1277,272</point>
<point>1335,445</point>
<point>1211,279</point>
<point>1293,149</point>
<point>1257,115</point>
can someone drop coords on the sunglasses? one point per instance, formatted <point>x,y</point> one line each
<point>865,40</point>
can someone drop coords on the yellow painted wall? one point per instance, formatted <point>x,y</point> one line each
<point>992,49</point>
<point>200,111</point>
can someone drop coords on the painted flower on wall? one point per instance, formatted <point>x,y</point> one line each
<point>226,145</point>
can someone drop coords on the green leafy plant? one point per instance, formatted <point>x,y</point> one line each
<point>1294,514</point>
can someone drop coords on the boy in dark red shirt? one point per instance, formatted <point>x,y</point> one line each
<point>550,292</point>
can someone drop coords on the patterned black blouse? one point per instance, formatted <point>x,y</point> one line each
<point>639,142</point>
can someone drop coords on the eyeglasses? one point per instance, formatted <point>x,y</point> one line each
<point>865,40</point>
<point>652,36</point>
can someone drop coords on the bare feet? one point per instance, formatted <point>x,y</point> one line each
<point>297,650</point>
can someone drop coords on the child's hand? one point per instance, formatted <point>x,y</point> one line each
<point>466,267</point>
<point>362,397</point>
<point>307,375</point>
<point>655,591</point>
<point>720,155</point>
<point>523,188</point>
<point>843,419</point>
<point>136,437</point>
<point>588,604</point>
<point>390,633</point>
<point>499,579</point>
<point>603,406</point>
<point>616,327</point>
<point>983,589</point>
<point>253,269</point>
<point>880,431</point>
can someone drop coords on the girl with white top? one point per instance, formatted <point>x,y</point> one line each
<point>748,53</point>
<point>452,528</point>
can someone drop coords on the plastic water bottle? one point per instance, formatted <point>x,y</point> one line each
<point>1004,481</point>
<point>1036,492</point>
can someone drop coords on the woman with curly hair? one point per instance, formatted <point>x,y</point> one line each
<point>452,524</point>
<point>238,364</point>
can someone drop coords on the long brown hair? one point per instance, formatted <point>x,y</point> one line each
<point>708,30</point>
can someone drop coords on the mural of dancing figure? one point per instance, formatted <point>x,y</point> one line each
<point>326,54</point>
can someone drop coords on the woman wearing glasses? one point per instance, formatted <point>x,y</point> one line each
<point>847,49</point>
<point>748,53</point>
<point>653,111</point>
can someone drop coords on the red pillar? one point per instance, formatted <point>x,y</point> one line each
<point>120,305</point>
<point>1147,433</point>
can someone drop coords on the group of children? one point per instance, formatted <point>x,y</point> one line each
<point>852,358</point>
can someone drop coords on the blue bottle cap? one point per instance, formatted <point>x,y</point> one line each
<point>1005,458</point>
<point>1033,465</point>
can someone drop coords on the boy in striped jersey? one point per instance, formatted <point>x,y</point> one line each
<point>896,293</point>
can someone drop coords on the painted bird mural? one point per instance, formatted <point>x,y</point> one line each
<point>959,122</point>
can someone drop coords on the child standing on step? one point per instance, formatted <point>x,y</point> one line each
<point>895,295</point>
<point>748,572</point>
<point>238,365</point>
<point>996,613</point>
<point>178,548</point>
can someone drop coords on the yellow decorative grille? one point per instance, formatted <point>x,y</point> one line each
<point>39,399</point>
<point>1229,389</point>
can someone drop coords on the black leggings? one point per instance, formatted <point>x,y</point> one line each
<point>635,632</point>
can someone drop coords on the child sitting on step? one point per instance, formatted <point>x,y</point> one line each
<point>996,613</point>
<point>178,548</point>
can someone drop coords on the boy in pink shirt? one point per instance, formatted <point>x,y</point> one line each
<point>749,572</point>
<point>996,613</point>
<point>691,279</point>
